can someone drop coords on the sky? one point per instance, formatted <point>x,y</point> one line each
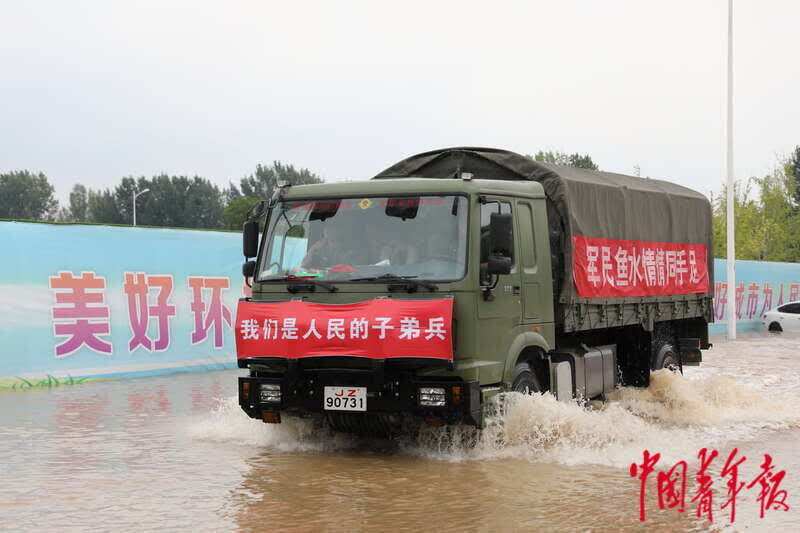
<point>93,91</point>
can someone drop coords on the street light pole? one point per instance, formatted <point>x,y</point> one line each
<point>731,259</point>
<point>135,196</point>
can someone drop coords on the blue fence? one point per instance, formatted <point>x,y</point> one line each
<point>760,286</point>
<point>82,302</point>
<point>88,302</point>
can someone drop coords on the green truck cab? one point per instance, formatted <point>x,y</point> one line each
<point>562,280</point>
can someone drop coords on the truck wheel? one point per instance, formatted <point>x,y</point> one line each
<point>525,380</point>
<point>775,327</point>
<point>666,357</point>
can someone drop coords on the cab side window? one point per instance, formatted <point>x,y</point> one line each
<point>486,246</point>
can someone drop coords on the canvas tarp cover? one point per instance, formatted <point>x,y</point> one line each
<point>580,202</point>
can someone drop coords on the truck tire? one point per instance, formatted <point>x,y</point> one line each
<point>666,357</point>
<point>525,380</point>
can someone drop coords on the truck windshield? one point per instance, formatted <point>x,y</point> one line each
<point>358,239</point>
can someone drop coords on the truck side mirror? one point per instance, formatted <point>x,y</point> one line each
<point>498,265</point>
<point>249,269</point>
<point>250,238</point>
<point>501,233</point>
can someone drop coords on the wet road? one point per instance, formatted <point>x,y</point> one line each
<point>175,452</point>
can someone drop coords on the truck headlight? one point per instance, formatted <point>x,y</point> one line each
<point>432,396</point>
<point>270,393</point>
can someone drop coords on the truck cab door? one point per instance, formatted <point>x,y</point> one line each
<point>505,308</point>
<point>533,252</point>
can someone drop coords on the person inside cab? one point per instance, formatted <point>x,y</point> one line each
<point>388,247</point>
<point>330,250</point>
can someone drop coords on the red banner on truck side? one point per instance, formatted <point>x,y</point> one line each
<point>377,329</point>
<point>608,268</point>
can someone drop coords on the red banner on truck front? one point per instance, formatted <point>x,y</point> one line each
<point>608,268</point>
<point>377,329</point>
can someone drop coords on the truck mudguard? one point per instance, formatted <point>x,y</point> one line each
<point>527,339</point>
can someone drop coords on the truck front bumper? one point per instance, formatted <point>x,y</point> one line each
<point>397,397</point>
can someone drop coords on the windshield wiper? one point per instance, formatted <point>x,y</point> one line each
<point>408,281</point>
<point>297,283</point>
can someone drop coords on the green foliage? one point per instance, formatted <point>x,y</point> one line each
<point>24,195</point>
<point>767,223</point>
<point>792,170</point>
<point>582,161</point>
<point>171,201</point>
<point>102,208</point>
<point>231,193</point>
<point>181,201</point>
<point>262,184</point>
<point>236,211</point>
<point>175,201</point>
<point>20,384</point>
<point>78,203</point>
<point>560,158</point>
<point>556,158</point>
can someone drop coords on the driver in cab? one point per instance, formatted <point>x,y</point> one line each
<point>330,250</point>
<point>386,246</point>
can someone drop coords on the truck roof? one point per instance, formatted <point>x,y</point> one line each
<point>497,164</point>
<point>355,189</point>
<point>580,202</point>
<point>591,203</point>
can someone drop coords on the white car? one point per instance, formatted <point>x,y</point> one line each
<point>783,318</point>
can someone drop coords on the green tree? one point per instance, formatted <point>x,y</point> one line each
<point>28,196</point>
<point>204,205</point>
<point>102,207</point>
<point>792,169</point>
<point>554,157</point>
<point>582,161</point>
<point>767,228</point>
<point>230,193</point>
<point>182,201</point>
<point>174,201</point>
<point>236,211</point>
<point>78,203</point>
<point>171,201</point>
<point>123,200</point>
<point>560,158</point>
<point>263,182</point>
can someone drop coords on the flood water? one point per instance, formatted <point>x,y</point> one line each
<point>175,452</point>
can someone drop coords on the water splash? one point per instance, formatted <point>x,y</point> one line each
<point>228,423</point>
<point>674,400</point>
<point>674,416</point>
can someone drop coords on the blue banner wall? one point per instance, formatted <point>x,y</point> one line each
<point>101,301</point>
<point>760,286</point>
<point>80,302</point>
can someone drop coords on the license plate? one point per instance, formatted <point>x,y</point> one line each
<point>345,399</point>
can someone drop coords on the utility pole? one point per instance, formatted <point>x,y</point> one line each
<point>731,260</point>
<point>135,196</point>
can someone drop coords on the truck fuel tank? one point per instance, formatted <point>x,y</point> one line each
<point>583,372</point>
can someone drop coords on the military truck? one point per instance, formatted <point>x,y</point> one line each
<point>461,273</point>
